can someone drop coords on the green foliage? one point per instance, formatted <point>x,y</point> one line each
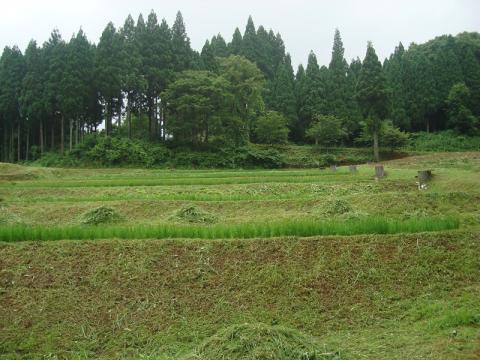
<point>443,141</point>
<point>390,136</point>
<point>259,341</point>
<point>460,117</point>
<point>271,128</point>
<point>113,151</point>
<point>326,130</point>
<point>325,160</point>
<point>101,215</point>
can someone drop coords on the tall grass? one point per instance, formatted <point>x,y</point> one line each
<point>302,228</point>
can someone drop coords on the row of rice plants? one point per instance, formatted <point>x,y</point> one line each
<point>302,228</point>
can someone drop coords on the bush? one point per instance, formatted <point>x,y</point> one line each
<point>101,215</point>
<point>326,160</point>
<point>124,151</point>
<point>443,141</point>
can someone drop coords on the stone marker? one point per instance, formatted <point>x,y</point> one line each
<point>424,176</point>
<point>379,171</point>
<point>353,169</point>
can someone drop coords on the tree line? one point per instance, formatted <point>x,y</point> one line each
<point>143,80</point>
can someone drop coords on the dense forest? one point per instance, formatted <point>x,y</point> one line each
<point>144,81</point>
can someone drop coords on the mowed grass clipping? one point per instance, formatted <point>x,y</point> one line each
<point>301,228</point>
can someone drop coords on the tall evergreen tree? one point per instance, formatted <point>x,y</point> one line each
<point>133,80</point>
<point>109,69</point>
<point>182,52</point>
<point>283,94</point>
<point>372,95</point>
<point>235,46</point>
<point>12,72</point>
<point>32,94</point>
<point>337,86</point>
<point>207,58</point>
<point>219,46</point>
<point>249,41</point>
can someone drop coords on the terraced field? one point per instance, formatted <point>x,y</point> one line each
<point>404,283</point>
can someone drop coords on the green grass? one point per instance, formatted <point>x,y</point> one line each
<point>301,228</point>
<point>365,297</point>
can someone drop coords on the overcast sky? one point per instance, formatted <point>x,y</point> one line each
<point>304,24</point>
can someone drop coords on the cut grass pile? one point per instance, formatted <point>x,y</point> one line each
<point>194,214</point>
<point>303,228</point>
<point>260,341</point>
<point>101,215</point>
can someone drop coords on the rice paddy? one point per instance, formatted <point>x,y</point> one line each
<point>183,263</point>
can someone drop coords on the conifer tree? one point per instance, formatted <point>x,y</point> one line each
<point>133,80</point>
<point>109,69</point>
<point>250,46</point>
<point>182,52</point>
<point>235,46</point>
<point>283,94</point>
<point>207,58</point>
<point>12,72</point>
<point>219,46</point>
<point>32,94</point>
<point>372,95</point>
<point>337,91</point>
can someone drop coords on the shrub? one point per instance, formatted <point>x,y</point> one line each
<point>101,215</point>
<point>124,151</point>
<point>327,160</point>
<point>443,141</point>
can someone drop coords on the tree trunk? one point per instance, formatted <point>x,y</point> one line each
<point>77,131</point>
<point>19,141</point>
<point>27,147</point>
<point>129,120</point>
<point>70,138</point>
<point>150,118</point>
<point>12,151</point>
<point>119,109</point>
<point>376,152</point>
<point>53,138</point>
<point>428,126</point>
<point>62,135</point>
<point>5,146</point>
<point>41,137</point>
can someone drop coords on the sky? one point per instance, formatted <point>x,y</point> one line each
<point>305,25</point>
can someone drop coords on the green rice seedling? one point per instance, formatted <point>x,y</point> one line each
<point>301,228</point>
